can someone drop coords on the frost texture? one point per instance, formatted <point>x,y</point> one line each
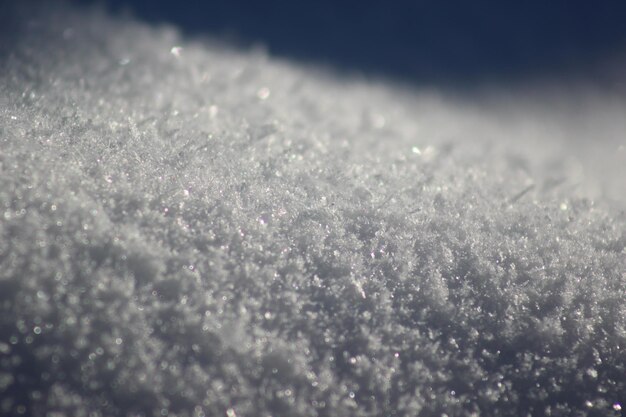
<point>188,230</point>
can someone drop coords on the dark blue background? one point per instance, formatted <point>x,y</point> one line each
<point>426,41</point>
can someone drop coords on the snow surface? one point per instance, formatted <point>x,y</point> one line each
<point>187,229</point>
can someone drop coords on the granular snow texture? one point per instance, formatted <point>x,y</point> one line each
<point>191,230</point>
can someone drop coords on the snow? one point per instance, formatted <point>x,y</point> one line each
<point>188,229</point>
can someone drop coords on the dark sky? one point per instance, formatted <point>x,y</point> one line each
<point>428,41</point>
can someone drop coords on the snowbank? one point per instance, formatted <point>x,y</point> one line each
<point>190,230</point>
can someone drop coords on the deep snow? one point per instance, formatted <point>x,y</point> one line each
<point>187,229</point>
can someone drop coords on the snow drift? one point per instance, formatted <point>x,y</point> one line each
<point>191,230</point>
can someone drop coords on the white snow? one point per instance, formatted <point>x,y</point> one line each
<point>187,229</point>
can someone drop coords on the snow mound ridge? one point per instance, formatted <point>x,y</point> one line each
<point>186,230</point>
